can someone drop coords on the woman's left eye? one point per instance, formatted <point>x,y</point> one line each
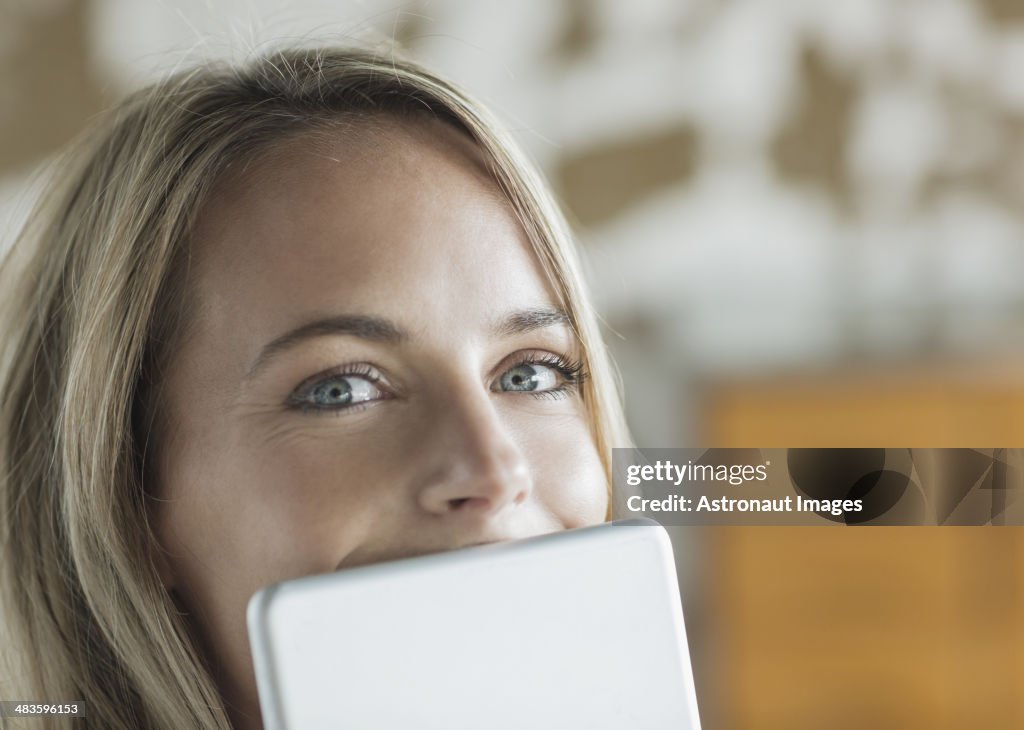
<point>540,377</point>
<point>529,377</point>
<point>337,392</point>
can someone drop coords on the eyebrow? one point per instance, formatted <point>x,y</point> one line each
<point>527,320</point>
<point>365,327</point>
<point>378,329</point>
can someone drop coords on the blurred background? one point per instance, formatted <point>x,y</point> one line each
<point>803,222</point>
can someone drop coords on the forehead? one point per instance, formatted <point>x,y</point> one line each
<point>401,220</point>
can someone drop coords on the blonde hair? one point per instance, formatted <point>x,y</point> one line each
<point>93,289</point>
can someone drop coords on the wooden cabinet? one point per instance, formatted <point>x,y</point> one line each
<point>834,627</point>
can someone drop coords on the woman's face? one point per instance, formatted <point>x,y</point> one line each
<point>375,368</point>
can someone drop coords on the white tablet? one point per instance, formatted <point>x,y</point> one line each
<point>579,629</point>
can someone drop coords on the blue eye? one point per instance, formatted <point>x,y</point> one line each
<point>529,377</point>
<point>338,391</point>
<point>542,376</point>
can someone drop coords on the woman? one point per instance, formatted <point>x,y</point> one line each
<point>274,320</point>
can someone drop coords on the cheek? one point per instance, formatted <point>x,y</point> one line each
<point>569,479</point>
<point>326,489</point>
<point>280,510</point>
<point>280,498</point>
<point>235,518</point>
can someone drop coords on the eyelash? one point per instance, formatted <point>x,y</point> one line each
<point>358,370</point>
<point>572,372</point>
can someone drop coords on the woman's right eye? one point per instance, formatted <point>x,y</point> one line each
<point>338,392</point>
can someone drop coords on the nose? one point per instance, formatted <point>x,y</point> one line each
<point>478,468</point>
